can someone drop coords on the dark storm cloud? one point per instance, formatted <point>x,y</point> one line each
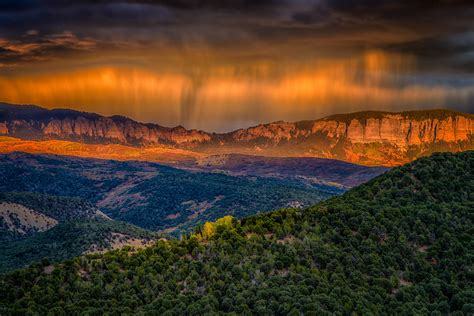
<point>234,5</point>
<point>33,47</point>
<point>218,62</point>
<point>17,5</point>
<point>423,28</point>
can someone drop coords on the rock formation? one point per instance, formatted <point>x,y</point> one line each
<point>371,138</point>
<point>374,138</point>
<point>33,122</point>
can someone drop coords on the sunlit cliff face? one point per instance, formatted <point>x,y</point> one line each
<point>224,96</point>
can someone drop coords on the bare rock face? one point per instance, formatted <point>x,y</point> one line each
<point>127,132</point>
<point>372,138</point>
<point>81,127</point>
<point>398,130</point>
<point>276,132</point>
<point>32,122</point>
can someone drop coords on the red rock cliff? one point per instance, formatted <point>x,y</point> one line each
<point>364,137</point>
<point>372,138</point>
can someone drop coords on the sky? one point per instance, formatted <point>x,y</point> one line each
<point>218,65</point>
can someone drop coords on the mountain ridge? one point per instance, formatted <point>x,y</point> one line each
<point>358,115</point>
<point>368,137</point>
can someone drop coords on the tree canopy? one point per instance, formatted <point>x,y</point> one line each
<point>399,244</point>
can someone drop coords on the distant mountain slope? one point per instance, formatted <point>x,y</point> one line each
<point>307,169</point>
<point>159,154</point>
<point>370,138</point>
<point>33,122</point>
<point>400,244</point>
<point>154,196</point>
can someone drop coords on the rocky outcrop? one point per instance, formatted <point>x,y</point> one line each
<point>399,129</point>
<point>373,138</point>
<point>123,132</point>
<point>38,123</point>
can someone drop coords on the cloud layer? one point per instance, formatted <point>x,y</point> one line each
<point>224,64</point>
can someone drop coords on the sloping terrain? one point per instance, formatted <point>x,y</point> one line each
<point>369,138</point>
<point>159,154</point>
<point>306,169</point>
<point>400,244</point>
<point>34,122</point>
<point>154,196</point>
<point>19,219</point>
<point>35,226</point>
<point>26,213</point>
<point>69,239</point>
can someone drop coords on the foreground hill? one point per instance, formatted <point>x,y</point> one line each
<point>153,196</point>
<point>400,244</point>
<point>70,239</point>
<point>370,138</point>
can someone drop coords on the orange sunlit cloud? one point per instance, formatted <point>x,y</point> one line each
<point>225,97</point>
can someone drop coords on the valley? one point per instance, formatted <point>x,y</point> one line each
<point>159,197</point>
<point>57,206</point>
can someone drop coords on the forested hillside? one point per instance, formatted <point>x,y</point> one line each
<point>26,213</point>
<point>35,226</point>
<point>70,239</point>
<point>58,207</point>
<point>153,196</point>
<point>400,244</point>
